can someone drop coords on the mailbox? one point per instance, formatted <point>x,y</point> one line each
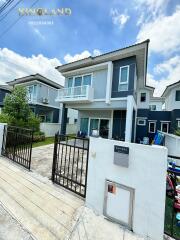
<point>121,156</point>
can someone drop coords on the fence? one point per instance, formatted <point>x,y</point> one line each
<point>17,145</point>
<point>70,163</point>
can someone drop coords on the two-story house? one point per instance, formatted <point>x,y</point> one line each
<point>42,93</point>
<point>105,90</point>
<point>4,90</point>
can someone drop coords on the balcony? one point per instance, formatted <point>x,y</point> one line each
<point>76,94</point>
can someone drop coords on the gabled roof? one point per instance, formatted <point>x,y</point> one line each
<point>36,76</point>
<point>6,87</point>
<point>100,58</point>
<point>169,87</point>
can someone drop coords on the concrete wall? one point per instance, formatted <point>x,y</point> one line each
<point>143,105</point>
<point>146,174</point>
<point>50,129</point>
<point>159,104</point>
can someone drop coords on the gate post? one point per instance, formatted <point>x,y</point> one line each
<point>54,156</point>
<point>2,136</point>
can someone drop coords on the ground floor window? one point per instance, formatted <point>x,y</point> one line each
<point>152,127</point>
<point>178,123</point>
<point>100,125</point>
<point>141,122</point>
<point>165,127</point>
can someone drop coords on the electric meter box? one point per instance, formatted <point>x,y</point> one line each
<point>118,203</point>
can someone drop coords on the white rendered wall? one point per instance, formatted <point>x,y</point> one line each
<point>159,104</point>
<point>146,174</point>
<point>143,105</point>
<point>170,102</point>
<point>50,129</point>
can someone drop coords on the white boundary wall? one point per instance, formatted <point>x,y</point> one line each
<point>50,129</point>
<point>146,174</point>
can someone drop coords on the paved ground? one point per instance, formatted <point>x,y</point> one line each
<point>42,158</point>
<point>10,229</point>
<point>43,209</point>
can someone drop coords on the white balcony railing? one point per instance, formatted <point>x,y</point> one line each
<point>81,93</point>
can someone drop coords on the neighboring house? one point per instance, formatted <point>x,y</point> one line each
<point>104,89</point>
<point>163,114</point>
<point>4,90</point>
<point>42,93</point>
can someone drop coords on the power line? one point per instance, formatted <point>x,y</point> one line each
<point>3,33</point>
<point>5,14</point>
<point>8,2</point>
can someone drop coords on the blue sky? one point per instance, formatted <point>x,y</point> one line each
<point>94,27</point>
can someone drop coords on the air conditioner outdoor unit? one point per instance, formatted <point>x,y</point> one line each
<point>45,100</point>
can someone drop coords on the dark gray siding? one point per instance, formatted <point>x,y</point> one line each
<point>119,123</point>
<point>158,116</point>
<point>3,93</point>
<point>131,61</point>
<point>43,110</point>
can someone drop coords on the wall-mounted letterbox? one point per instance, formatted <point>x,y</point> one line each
<point>121,156</point>
<point>118,203</point>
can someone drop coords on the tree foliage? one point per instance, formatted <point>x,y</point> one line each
<point>16,110</point>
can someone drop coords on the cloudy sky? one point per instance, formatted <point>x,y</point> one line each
<point>94,27</point>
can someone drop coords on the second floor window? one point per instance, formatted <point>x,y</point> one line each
<point>143,97</point>
<point>32,92</point>
<point>178,95</point>
<point>78,81</point>
<point>152,107</point>
<point>123,78</point>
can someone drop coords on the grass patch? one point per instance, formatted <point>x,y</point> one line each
<point>48,140</point>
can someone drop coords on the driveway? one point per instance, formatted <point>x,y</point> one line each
<point>42,158</point>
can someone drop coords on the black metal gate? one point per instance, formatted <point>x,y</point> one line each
<point>70,163</point>
<point>172,209</point>
<point>17,145</point>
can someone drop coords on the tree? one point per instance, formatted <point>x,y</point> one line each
<point>16,104</point>
<point>16,110</point>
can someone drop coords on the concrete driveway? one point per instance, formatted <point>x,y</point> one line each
<point>42,158</point>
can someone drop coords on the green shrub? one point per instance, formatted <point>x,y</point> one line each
<point>177,132</point>
<point>5,118</point>
<point>38,137</point>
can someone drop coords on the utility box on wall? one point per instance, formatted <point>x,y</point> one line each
<point>118,203</point>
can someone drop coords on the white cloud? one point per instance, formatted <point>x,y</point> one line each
<point>85,54</point>
<point>14,65</point>
<point>170,72</point>
<point>163,32</point>
<point>118,18</point>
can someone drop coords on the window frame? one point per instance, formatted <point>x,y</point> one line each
<point>178,123</point>
<point>149,129</point>
<point>141,119</point>
<point>167,126</point>
<point>145,97</point>
<point>123,83</point>
<point>177,91</point>
<point>150,107</point>
<point>82,76</point>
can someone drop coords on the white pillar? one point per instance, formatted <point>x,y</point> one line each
<point>109,82</point>
<point>129,118</point>
<point>1,135</point>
